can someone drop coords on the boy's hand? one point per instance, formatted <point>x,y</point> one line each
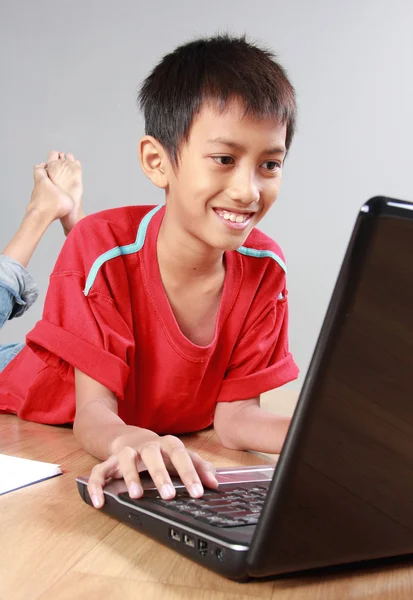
<point>160,455</point>
<point>66,173</point>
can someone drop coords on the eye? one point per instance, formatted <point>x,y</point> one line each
<point>274,165</point>
<point>226,160</point>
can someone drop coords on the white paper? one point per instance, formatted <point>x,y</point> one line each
<point>18,472</point>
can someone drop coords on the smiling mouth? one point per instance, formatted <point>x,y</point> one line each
<point>234,217</point>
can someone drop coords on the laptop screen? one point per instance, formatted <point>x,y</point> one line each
<point>371,367</point>
<point>350,491</point>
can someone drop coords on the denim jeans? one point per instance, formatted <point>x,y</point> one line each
<point>18,292</point>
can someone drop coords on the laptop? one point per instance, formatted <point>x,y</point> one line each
<point>342,490</point>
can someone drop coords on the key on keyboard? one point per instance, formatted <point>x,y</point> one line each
<point>226,507</point>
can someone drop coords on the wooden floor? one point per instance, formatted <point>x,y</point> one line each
<point>54,546</point>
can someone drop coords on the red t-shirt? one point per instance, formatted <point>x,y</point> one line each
<point>107,314</point>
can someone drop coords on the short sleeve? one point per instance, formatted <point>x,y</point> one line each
<point>78,331</point>
<point>261,360</point>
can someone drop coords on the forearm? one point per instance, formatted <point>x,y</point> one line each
<point>252,428</point>
<point>102,432</point>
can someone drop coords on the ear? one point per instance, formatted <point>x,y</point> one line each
<point>153,160</point>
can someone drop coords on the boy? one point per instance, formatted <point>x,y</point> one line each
<point>166,320</point>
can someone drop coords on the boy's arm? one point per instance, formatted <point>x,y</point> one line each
<point>100,431</point>
<point>244,425</point>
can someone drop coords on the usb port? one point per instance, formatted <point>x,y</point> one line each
<point>203,547</point>
<point>189,541</point>
<point>175,535</point>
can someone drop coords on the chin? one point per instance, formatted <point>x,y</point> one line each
<point>228,243</point>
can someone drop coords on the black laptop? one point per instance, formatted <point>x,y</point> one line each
<point>342,490</point>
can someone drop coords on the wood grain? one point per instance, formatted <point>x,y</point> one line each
<point>52,545</point>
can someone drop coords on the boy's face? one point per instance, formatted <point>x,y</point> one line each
<point>228,177</point>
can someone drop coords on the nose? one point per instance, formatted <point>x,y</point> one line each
<point>243,188</point>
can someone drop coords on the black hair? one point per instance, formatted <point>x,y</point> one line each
<point>219,68</point>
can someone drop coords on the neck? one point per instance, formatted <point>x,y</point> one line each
<point>184,257</point>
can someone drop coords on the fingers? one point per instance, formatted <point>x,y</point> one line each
<point>98,476</point>
<point>70,157</point>
<point>190,467</point>
<point>205,470</point>
<point>187,469</point>
<point>152,458</point>
<point>117,466</point>
<point>128,459</point>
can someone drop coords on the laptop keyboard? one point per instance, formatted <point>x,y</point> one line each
<point>231,506</point>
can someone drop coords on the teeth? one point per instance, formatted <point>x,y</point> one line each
<point>233,217</point>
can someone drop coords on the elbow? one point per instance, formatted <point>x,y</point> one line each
<point>78,432</point>
<point>76,429</point>
<point>82,430</point>
<point>230,423</point>
<point>227,436</point>
<point>227,443</point>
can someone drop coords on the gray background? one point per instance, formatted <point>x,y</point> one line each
<point>70,73</point>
